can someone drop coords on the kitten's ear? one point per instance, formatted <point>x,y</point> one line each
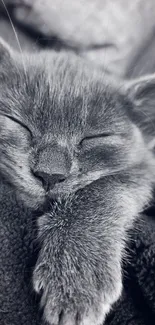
<point>5,53</point>
<point>141,93</point>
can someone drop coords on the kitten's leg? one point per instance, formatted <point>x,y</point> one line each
<point>79,273</point>
<point>82,245</point>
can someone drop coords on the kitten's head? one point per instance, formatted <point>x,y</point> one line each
<point>62,127</point>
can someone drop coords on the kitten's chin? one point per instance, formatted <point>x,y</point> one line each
<point>67,188</point>
<point>39,199</point>
<point>62,193</point>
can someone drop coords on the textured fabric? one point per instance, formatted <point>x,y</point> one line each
<point>137,305</point>
<point>118,35</point>
<point>110,33</point>
<point>17,234</point>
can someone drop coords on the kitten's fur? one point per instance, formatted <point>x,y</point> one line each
<point>60,118</point>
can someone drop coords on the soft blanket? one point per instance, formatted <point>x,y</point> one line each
<point>111,33</point>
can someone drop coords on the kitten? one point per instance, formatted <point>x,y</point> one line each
<point>71,141</point>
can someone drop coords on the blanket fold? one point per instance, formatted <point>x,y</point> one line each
<point>137,305</point>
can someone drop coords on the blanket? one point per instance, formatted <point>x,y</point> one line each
<point>111,33</point>
<point>137,304</point>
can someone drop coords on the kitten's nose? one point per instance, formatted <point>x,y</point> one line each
<point>49,180</point>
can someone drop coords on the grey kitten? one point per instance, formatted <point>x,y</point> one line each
<point>73,142</point>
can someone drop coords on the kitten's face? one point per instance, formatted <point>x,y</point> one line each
<point>62,128</point>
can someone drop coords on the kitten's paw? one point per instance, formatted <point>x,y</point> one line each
<point>69,306</point>
<point>78,279</point>
<point>94,315</point>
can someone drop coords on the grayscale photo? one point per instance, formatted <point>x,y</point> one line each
<point>77,162</point>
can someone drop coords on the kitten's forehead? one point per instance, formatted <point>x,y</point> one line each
<point>61,94</point>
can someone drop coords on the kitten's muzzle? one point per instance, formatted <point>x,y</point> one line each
<point>52,166</point>
<point>48,180</point>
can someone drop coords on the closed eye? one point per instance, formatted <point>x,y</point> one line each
<point>101,135</point>
<point>96,136</point>
<point>18,122</point>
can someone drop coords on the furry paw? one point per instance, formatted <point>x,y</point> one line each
<point>78,279</point>
<point>68,299</point>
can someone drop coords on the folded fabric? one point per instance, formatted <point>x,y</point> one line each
<point>18,306</point>
<point>110,33</point>
<point>18,253</point>
<point>115,35</point>
<point>137,304</point>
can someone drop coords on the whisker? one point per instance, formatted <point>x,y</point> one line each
<point>16,35</point>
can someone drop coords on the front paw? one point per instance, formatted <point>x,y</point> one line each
<point>69,299</point>
<point>78,279</point>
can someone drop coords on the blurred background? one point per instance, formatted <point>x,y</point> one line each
<point>116,35</point>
